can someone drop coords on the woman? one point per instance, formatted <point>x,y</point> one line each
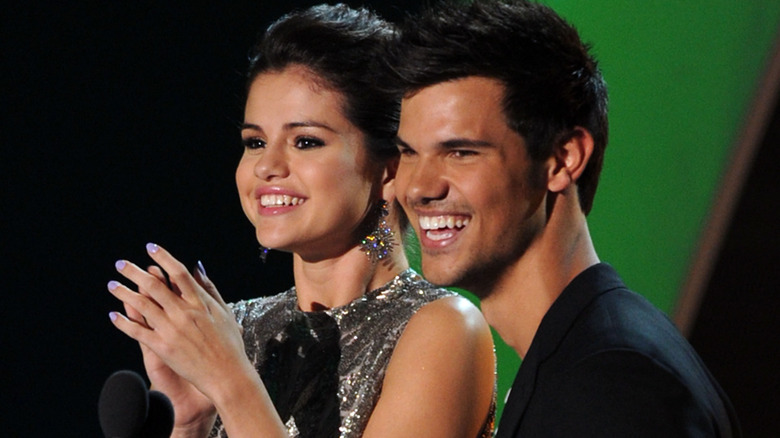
<point>361,346</point>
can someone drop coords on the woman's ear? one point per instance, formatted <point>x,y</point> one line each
<point>388,180</point>
<point>569,160</point>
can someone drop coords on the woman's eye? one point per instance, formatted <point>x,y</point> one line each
<point>308,142</point>
<point>253,143</point>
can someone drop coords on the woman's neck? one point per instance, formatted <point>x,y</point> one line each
<point>338,281</point>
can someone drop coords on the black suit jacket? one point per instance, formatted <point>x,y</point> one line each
<point>606,363</point>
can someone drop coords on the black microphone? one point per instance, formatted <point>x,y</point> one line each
<point>127,409</point>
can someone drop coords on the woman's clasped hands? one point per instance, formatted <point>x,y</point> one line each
<point>189,337</point>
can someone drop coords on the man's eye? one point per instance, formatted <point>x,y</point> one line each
<point>403,150</point>
<point>308,142</point>
<point>461,153</point>
<point>253,143</point>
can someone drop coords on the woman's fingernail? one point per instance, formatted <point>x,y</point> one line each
<point>120,264</point>
<point>113,285</point>
<point>152,248</point>
<point>112,315</point>
<point>201,269</point>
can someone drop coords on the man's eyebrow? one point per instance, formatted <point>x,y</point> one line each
<point>452,143</point>
<point>465,142</point>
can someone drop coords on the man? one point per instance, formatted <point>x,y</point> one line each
<point>502,136</point>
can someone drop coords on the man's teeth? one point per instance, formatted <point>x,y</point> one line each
<point>439,235</point>
<point>280,200</point>
<point>437,222</point>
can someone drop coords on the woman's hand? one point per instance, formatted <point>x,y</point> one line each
<point>193,410</point>
<point>188,335</point>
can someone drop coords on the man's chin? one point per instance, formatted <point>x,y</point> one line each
<point>447,275</point>
<point>438,274</point>
<point>443,274</point>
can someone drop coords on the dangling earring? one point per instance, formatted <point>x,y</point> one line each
<point>263,253</point>
<point>379,244</point>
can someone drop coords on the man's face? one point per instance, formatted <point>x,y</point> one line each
<point>473,196</point>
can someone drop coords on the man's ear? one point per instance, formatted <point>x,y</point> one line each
<point>388,180</point>
<point>569,160</point>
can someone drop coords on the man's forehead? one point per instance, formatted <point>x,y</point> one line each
<point>464,108</point>
<point>466,87</point>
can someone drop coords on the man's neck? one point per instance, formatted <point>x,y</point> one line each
<point>522,296</point>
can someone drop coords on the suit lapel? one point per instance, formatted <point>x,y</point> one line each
<point>519,395</point>
<point>556,323</point>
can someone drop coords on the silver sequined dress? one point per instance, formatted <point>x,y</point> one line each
<point>367,330</point>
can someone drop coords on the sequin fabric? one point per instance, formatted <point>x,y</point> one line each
<point>369,328</point>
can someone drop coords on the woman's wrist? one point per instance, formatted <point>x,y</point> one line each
<point>196,429</point>
<point>246,408</point>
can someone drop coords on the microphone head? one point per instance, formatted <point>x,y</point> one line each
<point>159,423</point>
<point>123,405</point>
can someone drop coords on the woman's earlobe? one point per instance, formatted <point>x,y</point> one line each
<point>388,190</point>
<point>388,181</point>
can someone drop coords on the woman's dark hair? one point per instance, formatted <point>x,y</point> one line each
<point>343,47</point>
<point>552,84</point>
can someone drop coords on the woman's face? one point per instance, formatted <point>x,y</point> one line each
<point>305,179</point>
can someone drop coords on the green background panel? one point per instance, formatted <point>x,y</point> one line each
<point>681,77</point>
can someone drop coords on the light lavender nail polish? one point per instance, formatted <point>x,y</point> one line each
<point>113,285</point>
<point>120,264</point>
<point>152,248</point>
<point>112,315</point>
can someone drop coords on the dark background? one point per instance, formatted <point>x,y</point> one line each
<point>737,332</point>
<point>119,127</point>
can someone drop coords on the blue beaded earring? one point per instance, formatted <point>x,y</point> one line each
<point>263,253</point>
<point>379,244</point>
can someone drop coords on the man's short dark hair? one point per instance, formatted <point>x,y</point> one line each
<point>552,83</point>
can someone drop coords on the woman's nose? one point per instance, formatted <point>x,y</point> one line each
<point>272,163</point>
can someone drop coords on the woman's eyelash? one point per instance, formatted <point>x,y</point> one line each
<point>300,143</point>
<point>253,143</point>
<point>308,142</point>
